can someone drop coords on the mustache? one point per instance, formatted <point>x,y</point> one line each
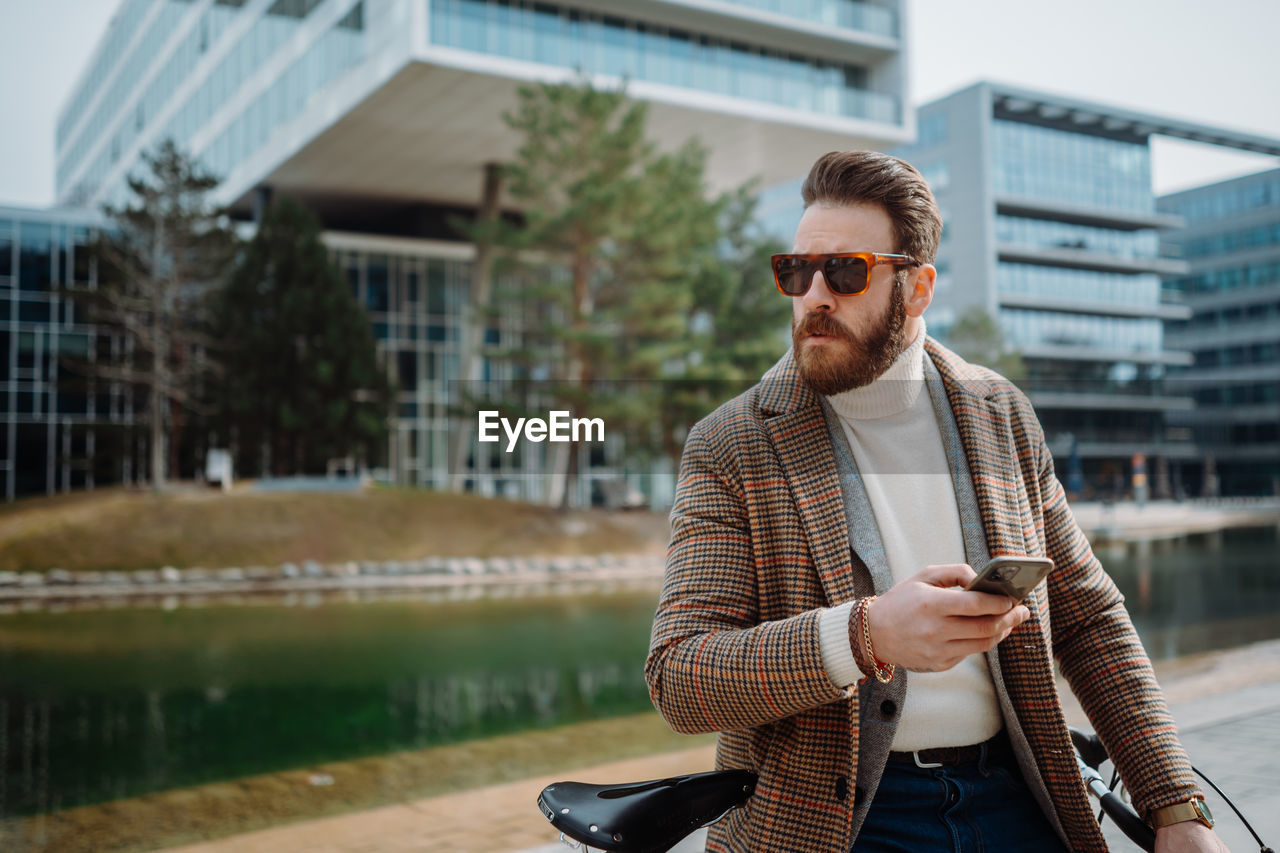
<point>820,323</point>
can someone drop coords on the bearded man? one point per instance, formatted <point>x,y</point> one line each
<point>824,526</point>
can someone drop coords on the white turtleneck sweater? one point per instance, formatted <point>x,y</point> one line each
<point>895,439</point>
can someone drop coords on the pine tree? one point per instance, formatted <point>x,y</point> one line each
<point>303,384</point>
<point>621,233</point>
<point>160,261</point>
<point>739,324</point>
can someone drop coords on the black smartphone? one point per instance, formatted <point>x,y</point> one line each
<point>1011,576</point>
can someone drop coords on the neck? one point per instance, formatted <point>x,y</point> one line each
<point>892,392</point>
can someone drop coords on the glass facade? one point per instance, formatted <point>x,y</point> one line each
<point>415,301</point>
<point>1097,377</point>
<point>1227,200</point>
<point>1042,233</point>
<point>847,14</point>
<point>1024,328</point>
<point>1232,244</point>
<point>140,89</point>
<point>1031,161</point>
<point>1092,340</point>
<point>144,89</point>
<point>92,112</point>
<point>53,417</point>
<point>605,44</point>
<point>1086,287</point>
<point>338,50</point>
<point>1261,274</point>
<point>1256,236</point>
<point>1261,315</point>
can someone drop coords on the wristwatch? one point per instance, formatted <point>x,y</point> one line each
<point>1178,812</point>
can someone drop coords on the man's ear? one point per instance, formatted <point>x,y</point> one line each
<point>919,289</point>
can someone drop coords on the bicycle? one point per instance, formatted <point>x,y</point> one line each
<point>655,815</point>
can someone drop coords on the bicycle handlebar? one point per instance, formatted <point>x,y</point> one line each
<point>1117,809</point>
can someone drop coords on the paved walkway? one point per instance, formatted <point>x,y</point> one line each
<point>1235,739</point>
<point>1227,706</point>
<point>496,819</point>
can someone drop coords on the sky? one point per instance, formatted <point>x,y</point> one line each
<point>1211,63</point>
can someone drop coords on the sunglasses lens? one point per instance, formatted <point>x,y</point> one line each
<point>846,276</point>
<point>793,275</point>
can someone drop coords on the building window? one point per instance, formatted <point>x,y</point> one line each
<point>6,250</point>
<point>35,256</point>
<point>1038,162</point>
<point>931,130</point>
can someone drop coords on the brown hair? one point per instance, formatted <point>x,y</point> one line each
<point>843,178</point>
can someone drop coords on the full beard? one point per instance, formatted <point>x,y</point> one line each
<point>853,362</point>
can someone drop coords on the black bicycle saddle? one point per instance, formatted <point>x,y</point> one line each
<point>644,817</point>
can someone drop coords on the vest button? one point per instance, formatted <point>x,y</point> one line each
<point>842,788</point>
<point>888,708</point>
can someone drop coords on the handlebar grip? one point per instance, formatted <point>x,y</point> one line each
<point>1128,822</point>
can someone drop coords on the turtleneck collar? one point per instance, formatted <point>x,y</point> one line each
<point>892,392</point>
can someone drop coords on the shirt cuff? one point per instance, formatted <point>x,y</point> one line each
<point>833,641</point>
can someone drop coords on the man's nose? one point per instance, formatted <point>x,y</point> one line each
<point>818,297</point>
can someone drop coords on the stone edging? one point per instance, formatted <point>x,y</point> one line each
<point>311,575</point>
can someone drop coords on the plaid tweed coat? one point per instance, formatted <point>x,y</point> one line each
<point>760,543</point>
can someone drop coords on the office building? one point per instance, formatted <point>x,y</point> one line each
<point>60,429</point>
<point>381,116</point>
<point>1231,243</point>
<point>1052,230</point>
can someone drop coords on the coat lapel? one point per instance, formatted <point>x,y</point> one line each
<point>860,519</point>
<point>794,419</point>
<point>983,425</point>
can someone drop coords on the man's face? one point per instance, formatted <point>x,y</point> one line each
<point>845,342</point>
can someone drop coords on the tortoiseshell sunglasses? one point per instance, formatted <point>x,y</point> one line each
<point>846,273</point>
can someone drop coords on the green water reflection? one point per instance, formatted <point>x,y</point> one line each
<point>96,705</point>
<point>105,704</point>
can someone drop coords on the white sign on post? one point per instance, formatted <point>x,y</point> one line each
<point>217,468</point>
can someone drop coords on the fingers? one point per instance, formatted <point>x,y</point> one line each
<point>948,575</point>
<point>988,628</point>
<point>982,604</point>
<point>961,649</point>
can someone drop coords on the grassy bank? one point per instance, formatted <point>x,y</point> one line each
<point>187,815</point>
<point>129,529</point>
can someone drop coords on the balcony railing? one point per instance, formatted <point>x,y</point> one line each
<point>847,14</point>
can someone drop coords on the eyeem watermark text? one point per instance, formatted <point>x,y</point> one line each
<point>558,426</point>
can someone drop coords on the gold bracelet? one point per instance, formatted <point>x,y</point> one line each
<point>882,671</point>
<point>855,641</point>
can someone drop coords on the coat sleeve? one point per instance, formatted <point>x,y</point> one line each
<point>713,665</point>
<point>1104,662</point>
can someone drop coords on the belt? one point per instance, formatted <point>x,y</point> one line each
<point>998,751</point>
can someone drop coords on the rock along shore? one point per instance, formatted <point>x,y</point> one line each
<point>34,590</point>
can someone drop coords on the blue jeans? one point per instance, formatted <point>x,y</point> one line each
<point>967,808</point>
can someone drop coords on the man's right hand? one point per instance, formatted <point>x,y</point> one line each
<point>927,624</point>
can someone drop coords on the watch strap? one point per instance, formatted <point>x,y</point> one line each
<point>1179,812</point>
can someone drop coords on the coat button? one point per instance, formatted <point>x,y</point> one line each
<point>888,708</point>
<point>842,788</point>
<point>858,795</point>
